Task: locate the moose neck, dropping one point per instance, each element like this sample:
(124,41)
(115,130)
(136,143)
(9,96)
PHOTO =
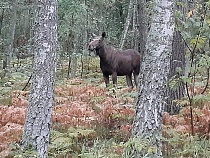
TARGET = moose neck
(102,52)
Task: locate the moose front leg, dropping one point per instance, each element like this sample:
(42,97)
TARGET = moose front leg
(106,79)
(129,81)
(114,78)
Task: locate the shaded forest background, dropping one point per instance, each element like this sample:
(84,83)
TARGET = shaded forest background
(86,114)
(77,19)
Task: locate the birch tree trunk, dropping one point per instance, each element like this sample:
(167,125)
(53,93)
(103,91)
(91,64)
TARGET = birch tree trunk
(127,23)
(134,42)
(153,80)
(39,116)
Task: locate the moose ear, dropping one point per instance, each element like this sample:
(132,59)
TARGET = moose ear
(93,35)
(104,34)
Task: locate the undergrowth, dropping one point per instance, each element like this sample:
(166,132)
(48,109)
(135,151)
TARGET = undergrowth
(91,121)
(185,145)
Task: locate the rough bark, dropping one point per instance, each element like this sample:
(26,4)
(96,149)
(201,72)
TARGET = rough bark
(142,26)
(39,115)
(177,62)
(153,80)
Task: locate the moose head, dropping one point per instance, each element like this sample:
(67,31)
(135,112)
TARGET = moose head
(96,43)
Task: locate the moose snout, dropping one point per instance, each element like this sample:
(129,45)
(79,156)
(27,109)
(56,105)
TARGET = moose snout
(91,48)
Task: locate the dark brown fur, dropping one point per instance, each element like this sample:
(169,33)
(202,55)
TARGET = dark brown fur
(116,62)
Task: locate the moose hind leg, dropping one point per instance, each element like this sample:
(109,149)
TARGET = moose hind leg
(106,79)
(129,81)
(136,79)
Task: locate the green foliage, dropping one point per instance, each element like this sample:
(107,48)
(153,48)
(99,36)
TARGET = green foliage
(17,152)
(5,98)
(174,82)
(102,148)
(194,28)
(62,144)
(186,140)
(183,145)
(141,145)
(79,18)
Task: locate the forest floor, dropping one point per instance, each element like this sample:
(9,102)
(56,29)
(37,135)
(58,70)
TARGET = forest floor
(90,120)
(79,104)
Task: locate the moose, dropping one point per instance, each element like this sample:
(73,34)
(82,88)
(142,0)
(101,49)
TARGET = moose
(116,62)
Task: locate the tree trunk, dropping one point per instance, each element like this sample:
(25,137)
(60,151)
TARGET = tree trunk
(1,20)
(142,26)
(68,49)
(153,80)
(177,62)
(134,36)
(39,116)
(73,65)
(4,63)
(83,55)
(11,35)
(74,57)
(127,23)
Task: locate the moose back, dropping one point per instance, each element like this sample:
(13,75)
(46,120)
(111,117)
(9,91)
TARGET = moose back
(115,62)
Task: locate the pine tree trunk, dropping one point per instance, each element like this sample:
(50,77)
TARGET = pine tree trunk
(39,115)
(142,26)
(177,62)
(153,80)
